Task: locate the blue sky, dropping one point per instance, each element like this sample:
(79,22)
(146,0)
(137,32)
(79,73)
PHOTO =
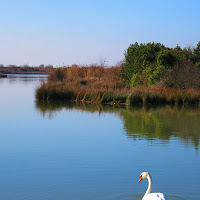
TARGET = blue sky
(83,32)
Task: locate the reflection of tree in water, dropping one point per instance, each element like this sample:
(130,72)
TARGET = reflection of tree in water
(49,108)
(152,123)
(163,123)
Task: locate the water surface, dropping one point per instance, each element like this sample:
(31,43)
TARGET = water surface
(90,152)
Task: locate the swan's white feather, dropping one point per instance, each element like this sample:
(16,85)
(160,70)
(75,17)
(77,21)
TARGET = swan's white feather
(154,196)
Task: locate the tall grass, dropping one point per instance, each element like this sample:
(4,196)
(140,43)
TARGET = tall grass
(137,95)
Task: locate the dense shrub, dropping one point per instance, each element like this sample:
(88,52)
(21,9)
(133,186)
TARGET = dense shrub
(165,58)
(157,75)
(58,74)
(138,57)
(184,75)
(196,53)
(135,79)
(147,64)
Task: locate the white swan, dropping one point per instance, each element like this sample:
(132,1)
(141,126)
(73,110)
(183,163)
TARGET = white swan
(148,195)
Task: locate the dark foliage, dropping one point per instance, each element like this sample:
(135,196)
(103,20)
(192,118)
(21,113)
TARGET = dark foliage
(184,75)
(147,64)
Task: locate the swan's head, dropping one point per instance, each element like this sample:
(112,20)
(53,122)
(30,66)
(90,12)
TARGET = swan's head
(143,176)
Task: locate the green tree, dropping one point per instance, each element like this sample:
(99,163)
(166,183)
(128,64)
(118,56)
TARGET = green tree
(196,53)
(157,75)
(165,58)
(138,58)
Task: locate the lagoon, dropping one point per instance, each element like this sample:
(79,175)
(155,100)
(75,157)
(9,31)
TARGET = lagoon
(60,150)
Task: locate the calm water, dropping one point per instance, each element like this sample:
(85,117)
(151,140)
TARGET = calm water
(58,151)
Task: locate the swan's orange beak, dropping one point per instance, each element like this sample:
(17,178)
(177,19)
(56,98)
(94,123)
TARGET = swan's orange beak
(140,179)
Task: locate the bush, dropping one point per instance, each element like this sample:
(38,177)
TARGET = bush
(147,64)
(135,79)
(196,53)
(138,57)
(197,65)
(184,75)
(157,75)
(165,58)
(58,74)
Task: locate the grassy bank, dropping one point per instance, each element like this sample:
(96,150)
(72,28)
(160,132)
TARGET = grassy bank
(138,95)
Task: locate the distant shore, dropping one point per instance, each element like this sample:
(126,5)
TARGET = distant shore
(43,73)
(13,69)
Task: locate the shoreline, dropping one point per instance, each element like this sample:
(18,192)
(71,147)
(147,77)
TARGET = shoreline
(153,95)
(29,73)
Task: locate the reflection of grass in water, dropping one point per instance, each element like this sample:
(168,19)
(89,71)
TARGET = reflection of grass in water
(163,122)
(45,107)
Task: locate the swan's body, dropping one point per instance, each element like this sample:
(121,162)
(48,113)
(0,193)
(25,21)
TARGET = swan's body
(148,195)
(154,196)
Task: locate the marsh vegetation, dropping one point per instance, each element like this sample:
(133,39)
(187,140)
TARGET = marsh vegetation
(151,73)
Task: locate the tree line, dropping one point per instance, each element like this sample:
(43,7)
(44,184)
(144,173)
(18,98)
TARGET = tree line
(152,63)
(26,69)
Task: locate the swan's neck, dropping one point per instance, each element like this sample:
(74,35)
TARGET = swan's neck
(149,186)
